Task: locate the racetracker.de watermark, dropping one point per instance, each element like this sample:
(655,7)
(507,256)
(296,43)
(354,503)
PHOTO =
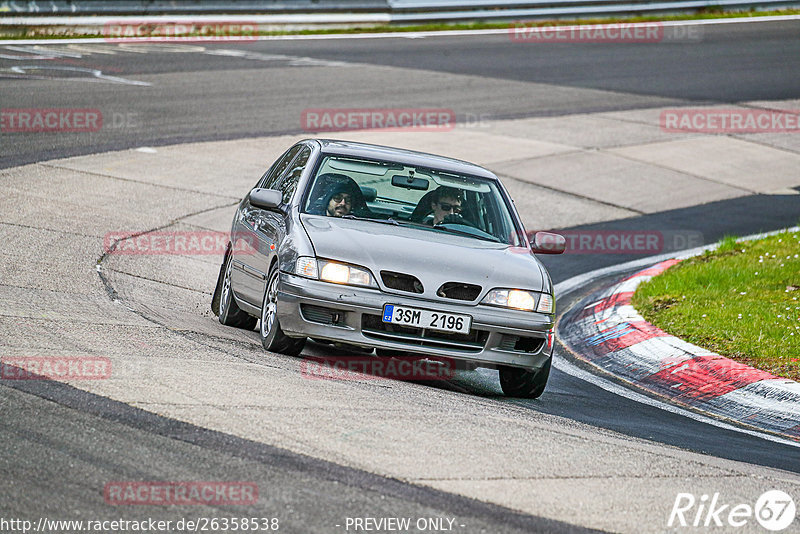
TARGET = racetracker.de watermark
(618,32)
(19,120)
(64,120)
(160,32)
(55,368)
(371,368)
(727,121)
(385,119)
(181,243)
(180,493)
(628,241)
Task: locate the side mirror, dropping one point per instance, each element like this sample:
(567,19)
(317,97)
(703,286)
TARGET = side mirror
(267,199)
(548,243)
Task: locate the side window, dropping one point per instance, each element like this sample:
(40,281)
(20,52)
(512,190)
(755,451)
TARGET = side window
(270,178)
(289,182)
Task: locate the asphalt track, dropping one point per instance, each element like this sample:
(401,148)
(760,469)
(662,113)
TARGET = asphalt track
(211,97)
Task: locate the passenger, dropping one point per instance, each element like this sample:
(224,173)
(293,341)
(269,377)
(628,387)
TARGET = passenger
(340,201)
(337,195)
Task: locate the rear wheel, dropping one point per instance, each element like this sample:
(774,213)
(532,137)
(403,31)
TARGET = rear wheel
(272,337)
(524,383)
(229,313)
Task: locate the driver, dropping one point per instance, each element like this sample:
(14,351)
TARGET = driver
(445,201)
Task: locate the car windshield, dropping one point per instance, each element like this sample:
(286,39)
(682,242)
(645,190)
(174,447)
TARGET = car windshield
(428,199)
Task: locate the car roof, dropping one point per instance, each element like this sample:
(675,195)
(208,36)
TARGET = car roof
(400,155)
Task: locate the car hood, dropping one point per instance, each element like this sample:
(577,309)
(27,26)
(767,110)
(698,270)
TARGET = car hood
(433,257)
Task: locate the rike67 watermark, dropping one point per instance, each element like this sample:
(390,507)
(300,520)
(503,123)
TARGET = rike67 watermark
(774,510)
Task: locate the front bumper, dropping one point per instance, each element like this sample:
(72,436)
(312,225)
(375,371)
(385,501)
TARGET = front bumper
(347,314)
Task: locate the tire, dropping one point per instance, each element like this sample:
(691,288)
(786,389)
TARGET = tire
(523,383)
(229,313)
(218,287)
(272,337)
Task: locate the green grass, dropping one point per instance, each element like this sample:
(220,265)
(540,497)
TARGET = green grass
(22,32)
(741,301)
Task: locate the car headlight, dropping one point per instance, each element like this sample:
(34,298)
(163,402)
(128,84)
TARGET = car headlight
(334,272)
(342,273)
(519,299)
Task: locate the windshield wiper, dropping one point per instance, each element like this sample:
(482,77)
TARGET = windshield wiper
(487,237)
(382,221)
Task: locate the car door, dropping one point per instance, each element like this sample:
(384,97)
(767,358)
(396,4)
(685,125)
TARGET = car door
(251,248)
(271,224)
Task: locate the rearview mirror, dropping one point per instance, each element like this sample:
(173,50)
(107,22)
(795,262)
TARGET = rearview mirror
(267,199)
(410,182)
(548,243)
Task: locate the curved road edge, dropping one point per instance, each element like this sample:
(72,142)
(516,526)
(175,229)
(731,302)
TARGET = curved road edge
(605,331)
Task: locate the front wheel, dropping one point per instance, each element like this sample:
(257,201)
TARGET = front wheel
(524,383)
(272,337)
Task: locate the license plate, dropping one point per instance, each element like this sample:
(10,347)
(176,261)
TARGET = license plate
(428,319)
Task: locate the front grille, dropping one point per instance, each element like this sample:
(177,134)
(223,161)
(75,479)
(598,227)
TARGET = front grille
(459,291)
(372,326)
(529,345)
(402,282)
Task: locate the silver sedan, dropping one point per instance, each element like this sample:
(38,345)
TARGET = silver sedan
(394,250)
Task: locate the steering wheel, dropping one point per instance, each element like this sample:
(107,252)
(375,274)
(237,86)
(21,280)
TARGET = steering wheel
(456,218)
